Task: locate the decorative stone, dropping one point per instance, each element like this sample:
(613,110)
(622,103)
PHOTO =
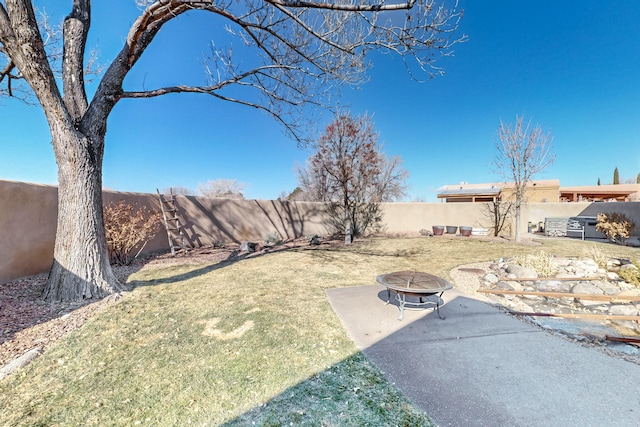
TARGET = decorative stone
(613,264)
(623,310)
(554,286)
(520,271)
(491,278)
(588,265)
(613,276)
(587,288)
(606,287)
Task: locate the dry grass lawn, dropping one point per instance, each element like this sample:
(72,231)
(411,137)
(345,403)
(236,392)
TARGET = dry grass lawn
(254,341)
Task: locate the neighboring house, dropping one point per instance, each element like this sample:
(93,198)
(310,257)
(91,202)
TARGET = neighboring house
(541,191)
(601,193)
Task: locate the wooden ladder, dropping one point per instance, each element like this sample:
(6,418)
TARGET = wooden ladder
(172,223)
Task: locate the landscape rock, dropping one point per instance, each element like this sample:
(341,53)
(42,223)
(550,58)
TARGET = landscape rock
(607,288)
(613,276)
(521,272)
(587,288)
(19,362)
(248,246)
(613,264)
(623,310)
(491,278)
(504,286)
(554,286)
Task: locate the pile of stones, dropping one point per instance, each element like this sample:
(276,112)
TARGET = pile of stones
(570,276)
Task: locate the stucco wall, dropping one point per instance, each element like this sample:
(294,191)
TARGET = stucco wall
(28,228)
(28,219)
(28,215)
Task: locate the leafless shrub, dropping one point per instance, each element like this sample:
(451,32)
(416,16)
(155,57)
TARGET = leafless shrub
(128,228)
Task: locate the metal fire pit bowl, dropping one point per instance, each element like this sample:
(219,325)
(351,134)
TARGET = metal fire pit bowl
(414,284)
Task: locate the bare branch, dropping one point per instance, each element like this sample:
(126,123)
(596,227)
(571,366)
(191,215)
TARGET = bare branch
(343,6)
(76,29)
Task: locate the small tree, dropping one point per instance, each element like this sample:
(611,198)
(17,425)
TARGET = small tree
(128,228)
(522,151)
(498,212)
(638,179)
(616,176)
(350,172)
(616,226)
(598,180)
(222,189)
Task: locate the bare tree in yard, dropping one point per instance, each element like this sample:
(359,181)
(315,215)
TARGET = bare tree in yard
(301,51)
(349,171)
(222,189)
(522,151)
(497,211)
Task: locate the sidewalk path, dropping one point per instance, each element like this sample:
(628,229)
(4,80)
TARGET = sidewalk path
(482,367)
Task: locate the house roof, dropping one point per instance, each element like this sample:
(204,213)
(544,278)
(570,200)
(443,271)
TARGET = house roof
(476,191)
(487,189)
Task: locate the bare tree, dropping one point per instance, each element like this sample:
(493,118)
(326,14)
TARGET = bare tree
(222,188)
(178,190)
(301,51)
(497,211)
(352,175)
(522,151)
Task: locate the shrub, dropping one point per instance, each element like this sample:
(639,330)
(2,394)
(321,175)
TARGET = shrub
(616,226)
(274,237)
(540,262)
(128,228)
(597,254)
(631,275)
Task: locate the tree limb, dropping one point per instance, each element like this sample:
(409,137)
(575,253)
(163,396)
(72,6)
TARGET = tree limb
(380,7)
(76,29)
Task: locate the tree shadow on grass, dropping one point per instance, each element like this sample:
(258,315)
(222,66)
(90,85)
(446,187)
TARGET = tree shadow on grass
(233,257)
(351,392)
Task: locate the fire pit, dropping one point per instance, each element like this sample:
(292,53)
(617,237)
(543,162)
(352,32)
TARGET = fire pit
(416,285)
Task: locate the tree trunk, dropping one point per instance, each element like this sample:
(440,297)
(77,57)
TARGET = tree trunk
(81,268)
(518,238)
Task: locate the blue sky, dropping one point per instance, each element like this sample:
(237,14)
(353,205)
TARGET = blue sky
(572,67)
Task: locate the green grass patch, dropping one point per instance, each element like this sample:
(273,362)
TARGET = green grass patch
(251,342)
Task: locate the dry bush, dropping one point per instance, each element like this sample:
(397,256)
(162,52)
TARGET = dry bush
(540,262)
(128,228)
(597,254)
(631,275)
(616,226)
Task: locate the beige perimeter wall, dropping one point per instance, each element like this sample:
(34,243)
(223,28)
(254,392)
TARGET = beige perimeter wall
(28,220)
